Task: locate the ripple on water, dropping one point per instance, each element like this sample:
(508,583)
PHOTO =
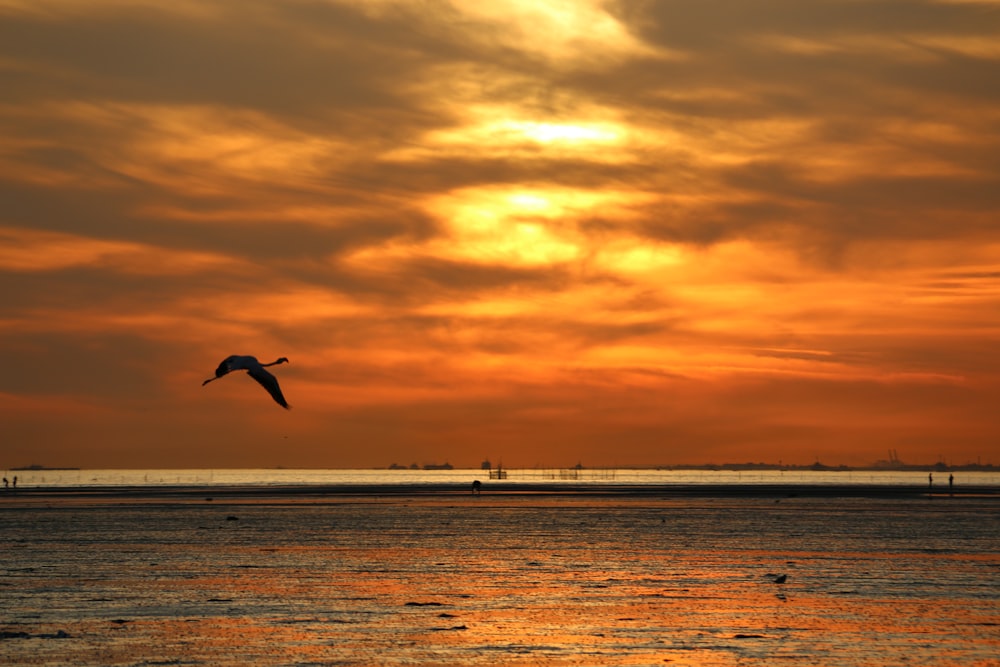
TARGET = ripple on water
(511,581)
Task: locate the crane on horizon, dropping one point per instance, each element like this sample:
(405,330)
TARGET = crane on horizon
(254,369)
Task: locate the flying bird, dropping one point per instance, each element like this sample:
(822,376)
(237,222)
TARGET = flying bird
(254,369)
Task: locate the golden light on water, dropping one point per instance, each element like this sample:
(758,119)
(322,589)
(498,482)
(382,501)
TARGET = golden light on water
(275,578)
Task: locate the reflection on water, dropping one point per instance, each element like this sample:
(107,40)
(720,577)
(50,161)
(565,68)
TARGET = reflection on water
(623,477)
(503,580)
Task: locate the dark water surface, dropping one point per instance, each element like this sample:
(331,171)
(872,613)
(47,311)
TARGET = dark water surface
(518,580)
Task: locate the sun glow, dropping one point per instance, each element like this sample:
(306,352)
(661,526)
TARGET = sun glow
(561,132)
(517,226)
(553,204)
(506,130)
(560,30)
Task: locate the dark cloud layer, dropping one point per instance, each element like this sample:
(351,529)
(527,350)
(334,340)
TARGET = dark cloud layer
(629,232)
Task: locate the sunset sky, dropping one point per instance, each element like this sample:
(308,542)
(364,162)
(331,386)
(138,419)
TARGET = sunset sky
(548,232)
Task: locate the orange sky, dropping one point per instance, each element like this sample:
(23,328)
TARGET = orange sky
(623,233)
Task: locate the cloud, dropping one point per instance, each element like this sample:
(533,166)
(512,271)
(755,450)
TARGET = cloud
(549,227)
(31,251)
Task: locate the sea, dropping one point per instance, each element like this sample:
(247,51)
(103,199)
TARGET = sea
(407,476)
(135,577)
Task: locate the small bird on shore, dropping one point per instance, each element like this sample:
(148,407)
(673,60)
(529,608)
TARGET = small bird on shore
(254,369)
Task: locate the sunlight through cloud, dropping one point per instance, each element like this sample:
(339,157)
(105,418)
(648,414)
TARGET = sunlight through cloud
(432,205)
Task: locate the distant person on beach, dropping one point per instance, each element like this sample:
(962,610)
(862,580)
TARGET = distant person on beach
(6,484)
(930,480)
(951,483)
(15,481)
(477,487)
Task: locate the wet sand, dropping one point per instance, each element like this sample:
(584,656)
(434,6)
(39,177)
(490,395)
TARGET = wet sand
(183,493)
(553,574)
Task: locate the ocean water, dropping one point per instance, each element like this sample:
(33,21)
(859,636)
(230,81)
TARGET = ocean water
(501,580)
(621,477)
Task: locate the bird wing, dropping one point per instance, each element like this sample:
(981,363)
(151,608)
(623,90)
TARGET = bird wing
(270,383)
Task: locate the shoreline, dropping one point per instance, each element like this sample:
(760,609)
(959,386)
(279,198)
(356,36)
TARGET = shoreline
(317,492)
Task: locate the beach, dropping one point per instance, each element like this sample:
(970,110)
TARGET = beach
(259,492)
(520,575)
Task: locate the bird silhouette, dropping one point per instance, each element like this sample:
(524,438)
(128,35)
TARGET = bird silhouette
(254,369)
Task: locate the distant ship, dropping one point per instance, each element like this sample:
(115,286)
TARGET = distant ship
(36,466)
(438,466)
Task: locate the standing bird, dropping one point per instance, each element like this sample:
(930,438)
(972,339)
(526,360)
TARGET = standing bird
(254,369)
